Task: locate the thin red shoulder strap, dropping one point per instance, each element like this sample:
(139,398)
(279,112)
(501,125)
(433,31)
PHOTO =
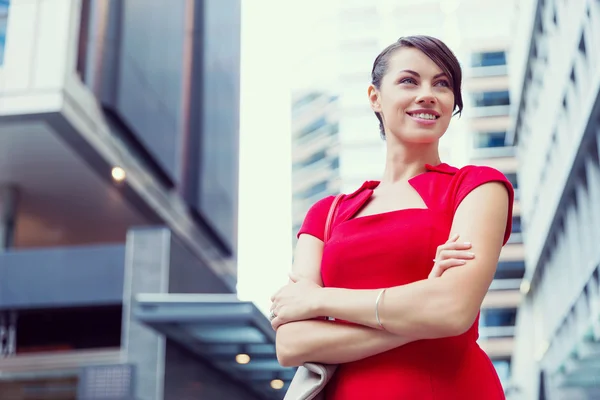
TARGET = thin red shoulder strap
(331,216)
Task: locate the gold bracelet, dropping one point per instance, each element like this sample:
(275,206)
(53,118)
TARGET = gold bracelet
(377,309)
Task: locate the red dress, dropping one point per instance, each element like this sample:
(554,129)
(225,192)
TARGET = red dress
(397,248)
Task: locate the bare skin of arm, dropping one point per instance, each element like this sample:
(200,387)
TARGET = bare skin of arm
(334,343)
(447,309)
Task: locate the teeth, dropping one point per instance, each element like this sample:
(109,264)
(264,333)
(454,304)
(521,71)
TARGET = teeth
(424,116)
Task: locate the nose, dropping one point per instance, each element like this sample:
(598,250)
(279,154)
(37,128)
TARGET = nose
(426,96)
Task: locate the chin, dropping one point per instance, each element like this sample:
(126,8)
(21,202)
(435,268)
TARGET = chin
(423,138)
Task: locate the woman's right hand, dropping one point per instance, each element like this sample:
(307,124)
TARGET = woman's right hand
(450,254)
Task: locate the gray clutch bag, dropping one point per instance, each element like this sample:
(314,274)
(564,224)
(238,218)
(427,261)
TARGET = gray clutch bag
(309,382)
(311,378)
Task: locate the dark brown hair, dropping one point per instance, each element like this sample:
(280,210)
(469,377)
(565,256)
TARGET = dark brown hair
(433,48)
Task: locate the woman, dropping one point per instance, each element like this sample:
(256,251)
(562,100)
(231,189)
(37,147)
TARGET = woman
(396,333)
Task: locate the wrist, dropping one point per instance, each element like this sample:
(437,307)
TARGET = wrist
(320,302)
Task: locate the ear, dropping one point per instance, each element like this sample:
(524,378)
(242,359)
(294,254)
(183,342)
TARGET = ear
(374,98)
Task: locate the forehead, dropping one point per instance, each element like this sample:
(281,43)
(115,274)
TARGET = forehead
(413,59)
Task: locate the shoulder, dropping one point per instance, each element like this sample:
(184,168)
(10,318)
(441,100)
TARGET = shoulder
(314,221)
(316,217)
(449,185)
(470,177)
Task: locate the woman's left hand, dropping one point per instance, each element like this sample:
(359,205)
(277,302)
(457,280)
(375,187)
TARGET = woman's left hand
(296,301)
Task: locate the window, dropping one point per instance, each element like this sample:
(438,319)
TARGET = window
(510,270)
(503,369)
(489,139)
(314,190)
(495,317)
(335,163)
(319,123)
(3,20)
(512,177)
(488,99)
(309,98)
(488,59)
(69,328)
(516,225)
(310,160)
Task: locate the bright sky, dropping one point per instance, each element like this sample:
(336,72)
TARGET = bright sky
(264,250)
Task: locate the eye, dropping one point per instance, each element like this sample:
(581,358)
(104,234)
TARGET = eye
(408,80)
(444,83)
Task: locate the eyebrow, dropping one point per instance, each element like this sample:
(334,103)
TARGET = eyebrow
(418,76)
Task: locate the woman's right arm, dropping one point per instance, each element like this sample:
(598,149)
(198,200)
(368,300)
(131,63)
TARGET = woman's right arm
(331,343)
(325,341)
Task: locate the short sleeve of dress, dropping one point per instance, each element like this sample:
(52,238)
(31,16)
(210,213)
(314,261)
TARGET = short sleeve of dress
(314,222)
(472,177)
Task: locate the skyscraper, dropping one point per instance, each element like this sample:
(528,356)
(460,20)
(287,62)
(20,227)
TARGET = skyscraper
(555,84)
(315,152)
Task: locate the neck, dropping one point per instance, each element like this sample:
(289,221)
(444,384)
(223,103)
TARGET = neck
(404,162)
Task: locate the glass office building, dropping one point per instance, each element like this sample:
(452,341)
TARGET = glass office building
(119,127)
(555,83)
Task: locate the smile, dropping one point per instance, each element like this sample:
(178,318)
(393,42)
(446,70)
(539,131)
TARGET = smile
(425,116)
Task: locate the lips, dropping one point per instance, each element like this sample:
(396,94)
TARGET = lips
(429,115)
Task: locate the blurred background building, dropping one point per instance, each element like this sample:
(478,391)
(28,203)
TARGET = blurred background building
(315,152)
(555,82)
(119,142)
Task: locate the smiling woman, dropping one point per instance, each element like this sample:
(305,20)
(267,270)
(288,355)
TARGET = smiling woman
(393,296)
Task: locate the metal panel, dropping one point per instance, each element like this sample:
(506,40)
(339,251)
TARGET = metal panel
(62,277)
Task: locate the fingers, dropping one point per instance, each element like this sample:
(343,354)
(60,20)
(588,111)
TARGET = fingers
(453,238)
(454,246)
(459,254)
(451,254)
(441,266)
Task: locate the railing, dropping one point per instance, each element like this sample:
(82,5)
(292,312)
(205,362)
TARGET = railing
(490,332)
(56,362)
(505,284)
(479,72)
(493,152)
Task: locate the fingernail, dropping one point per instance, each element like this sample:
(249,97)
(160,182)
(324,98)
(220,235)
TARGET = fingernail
(467,243)
(471,254)
(463,262)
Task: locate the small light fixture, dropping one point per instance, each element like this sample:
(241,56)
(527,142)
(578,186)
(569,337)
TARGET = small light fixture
(277,384)
(242,358)
(118,174)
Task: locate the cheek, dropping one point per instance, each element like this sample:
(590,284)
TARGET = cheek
(447,103)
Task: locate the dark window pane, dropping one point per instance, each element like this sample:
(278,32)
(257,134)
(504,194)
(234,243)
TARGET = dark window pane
(512,177)
(516,225)
(488,59)
(510,270)
(488,99)
(498,317)
(489,139)
(69,328)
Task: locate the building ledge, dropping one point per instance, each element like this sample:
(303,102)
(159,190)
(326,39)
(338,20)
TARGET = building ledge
(218,327)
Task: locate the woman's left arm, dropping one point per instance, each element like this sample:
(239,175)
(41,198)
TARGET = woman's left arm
(441,307)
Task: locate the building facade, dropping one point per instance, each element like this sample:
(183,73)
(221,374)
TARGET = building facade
(555,82)
(315,152)
(487,106)
(119,190)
